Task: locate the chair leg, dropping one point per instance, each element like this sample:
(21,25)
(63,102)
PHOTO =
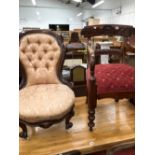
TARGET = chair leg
(23,134)
(109,58)
(67,121)
(116,100)
(91,117)
(86,99)
(132,100)
(86,95)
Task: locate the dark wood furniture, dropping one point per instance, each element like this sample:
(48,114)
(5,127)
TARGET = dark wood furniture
(78,79)
(130,44)
(107,80)
(130,51)
(75,48)
(74,54)
(76,75)
(74,38)
(113,51)
(127,148)
(41,61)
(112,48)
(71,153)
(122,149)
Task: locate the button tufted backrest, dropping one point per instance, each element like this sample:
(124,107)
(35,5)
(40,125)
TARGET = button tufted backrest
(39,54)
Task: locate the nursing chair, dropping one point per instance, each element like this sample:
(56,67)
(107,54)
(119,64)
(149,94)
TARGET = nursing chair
(44,97)
(107,80)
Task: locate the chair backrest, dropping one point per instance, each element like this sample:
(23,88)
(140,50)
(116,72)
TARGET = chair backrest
(108,29)
(41,55)
(78,75)
(130,46)
(124,31)
(74,38)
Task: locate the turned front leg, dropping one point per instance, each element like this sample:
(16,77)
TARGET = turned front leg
(91,118)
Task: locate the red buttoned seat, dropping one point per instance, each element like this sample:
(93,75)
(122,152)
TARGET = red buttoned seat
(113,78)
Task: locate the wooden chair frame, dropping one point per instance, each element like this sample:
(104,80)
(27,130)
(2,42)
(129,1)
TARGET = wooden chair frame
(92,96)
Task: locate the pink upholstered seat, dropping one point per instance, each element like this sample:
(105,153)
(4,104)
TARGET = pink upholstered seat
(45,102)
(111,78)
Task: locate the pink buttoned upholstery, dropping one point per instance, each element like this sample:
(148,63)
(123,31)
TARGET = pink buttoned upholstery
(111,78)
(39,54)
(44,97)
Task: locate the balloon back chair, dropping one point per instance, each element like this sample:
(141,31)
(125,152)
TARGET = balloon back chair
(74,38)
(75,48)
(44,97)
(107,80)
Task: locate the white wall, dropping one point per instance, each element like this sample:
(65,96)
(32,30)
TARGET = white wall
(108,16)
(127,15)
(29,18)
(51,12)
(103,15)
(55,12)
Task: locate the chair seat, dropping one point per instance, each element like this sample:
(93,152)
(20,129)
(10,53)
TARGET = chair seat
(114,78)
(45,102)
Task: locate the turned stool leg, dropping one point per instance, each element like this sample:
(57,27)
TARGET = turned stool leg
(91,118)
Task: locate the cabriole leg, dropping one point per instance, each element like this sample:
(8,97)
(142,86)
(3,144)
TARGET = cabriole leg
(23,133)
(67,121)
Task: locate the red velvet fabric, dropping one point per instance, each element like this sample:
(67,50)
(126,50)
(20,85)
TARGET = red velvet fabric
(129,151)
(111,78)
(98,153)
